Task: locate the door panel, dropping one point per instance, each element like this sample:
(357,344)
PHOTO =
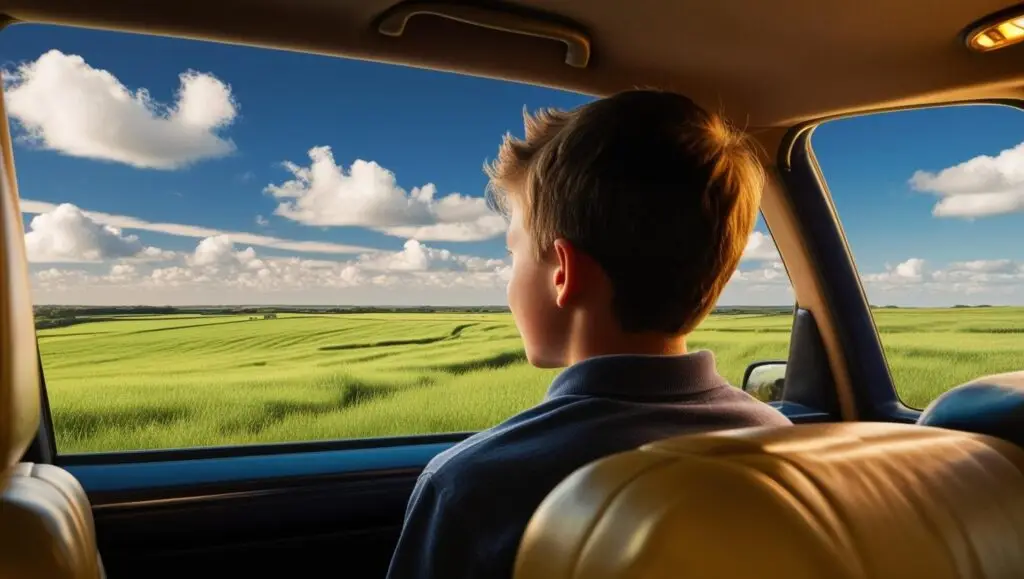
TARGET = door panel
(295,527)
(299,510)
(261,515)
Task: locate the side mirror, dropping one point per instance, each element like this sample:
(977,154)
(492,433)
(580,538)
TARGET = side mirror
(765,380)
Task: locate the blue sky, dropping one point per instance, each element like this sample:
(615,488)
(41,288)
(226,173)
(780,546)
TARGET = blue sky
(195,206)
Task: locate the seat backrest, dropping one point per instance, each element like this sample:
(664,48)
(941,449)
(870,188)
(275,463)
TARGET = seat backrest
(843,501)
(46,525)
(992,405)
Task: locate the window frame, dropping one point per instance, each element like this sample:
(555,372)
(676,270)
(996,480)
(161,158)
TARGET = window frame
(842,289)
(876,397)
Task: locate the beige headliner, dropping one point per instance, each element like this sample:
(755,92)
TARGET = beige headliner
(766,62)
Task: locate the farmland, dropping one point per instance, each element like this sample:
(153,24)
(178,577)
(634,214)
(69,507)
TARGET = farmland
(186,380)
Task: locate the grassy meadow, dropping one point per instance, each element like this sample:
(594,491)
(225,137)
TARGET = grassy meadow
(164,381)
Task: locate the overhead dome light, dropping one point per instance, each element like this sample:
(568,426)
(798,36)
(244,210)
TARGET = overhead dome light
(997,32)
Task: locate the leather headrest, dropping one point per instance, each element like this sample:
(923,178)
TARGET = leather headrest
(19,362)
(992,405)
(842,501)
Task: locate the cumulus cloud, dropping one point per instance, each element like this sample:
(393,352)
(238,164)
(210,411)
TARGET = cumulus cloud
(368,195)
(54,277)
(772,272)
(979,187)
(218,264)
(992,277)
(66,234)
(767,272)
(416,257)
(220,251)
(64,104)
(912,281)
(122,273)
(760,247)
(182,230)
(217,260)
(912,270)
(155,254)
(988,266)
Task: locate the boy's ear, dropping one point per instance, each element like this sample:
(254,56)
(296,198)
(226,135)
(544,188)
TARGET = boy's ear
(568,272)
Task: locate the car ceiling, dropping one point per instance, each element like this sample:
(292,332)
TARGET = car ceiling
(765,63)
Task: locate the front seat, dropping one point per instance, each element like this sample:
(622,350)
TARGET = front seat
(992,405)
(46,526)
(822,501)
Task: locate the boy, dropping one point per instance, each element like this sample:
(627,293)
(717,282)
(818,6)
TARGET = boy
(627,218)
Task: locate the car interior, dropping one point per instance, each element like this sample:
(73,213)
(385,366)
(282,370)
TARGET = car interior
(862,486)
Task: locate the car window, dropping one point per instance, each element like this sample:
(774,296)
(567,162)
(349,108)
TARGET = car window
(232,245)
(932,205)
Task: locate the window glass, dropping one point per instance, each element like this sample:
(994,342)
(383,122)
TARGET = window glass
(932,204)
(232,245)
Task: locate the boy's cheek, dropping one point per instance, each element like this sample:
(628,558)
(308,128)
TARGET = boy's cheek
(514,294)
(536,317)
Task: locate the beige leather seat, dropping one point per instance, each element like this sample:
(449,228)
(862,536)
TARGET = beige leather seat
(842,501)
(46,526)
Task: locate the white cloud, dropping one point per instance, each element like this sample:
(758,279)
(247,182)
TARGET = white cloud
(62,278)
(220,251)
(760,247)
(65,105)
(262,221)
(181,230)
(222,270)
(912,270)
(988,266)
(416,257)
(65,234)
(217,265)
(771,272)
(980,187)
(368,195)
(122,272)
(997,280)
(155,254)
(913,281)
(767,282)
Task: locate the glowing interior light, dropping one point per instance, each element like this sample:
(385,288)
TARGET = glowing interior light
(996,35)
(984,41)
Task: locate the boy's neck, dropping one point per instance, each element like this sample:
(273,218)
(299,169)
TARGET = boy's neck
(636,344)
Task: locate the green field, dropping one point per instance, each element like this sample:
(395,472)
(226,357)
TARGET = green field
(193,380)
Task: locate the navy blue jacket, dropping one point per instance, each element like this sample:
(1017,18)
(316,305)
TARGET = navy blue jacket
(472,503)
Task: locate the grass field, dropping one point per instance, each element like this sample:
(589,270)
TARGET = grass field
(189,380)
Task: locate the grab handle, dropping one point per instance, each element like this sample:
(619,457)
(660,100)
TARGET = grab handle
(577,43)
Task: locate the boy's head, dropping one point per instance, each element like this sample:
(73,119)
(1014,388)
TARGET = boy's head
(628,216)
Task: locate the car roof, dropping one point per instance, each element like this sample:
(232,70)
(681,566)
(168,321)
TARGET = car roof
(765,63)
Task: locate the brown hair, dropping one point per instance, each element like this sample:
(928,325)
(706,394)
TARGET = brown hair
(661,193)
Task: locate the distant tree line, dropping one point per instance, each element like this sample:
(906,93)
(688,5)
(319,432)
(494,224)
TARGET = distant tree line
(73,311)
(62,316)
